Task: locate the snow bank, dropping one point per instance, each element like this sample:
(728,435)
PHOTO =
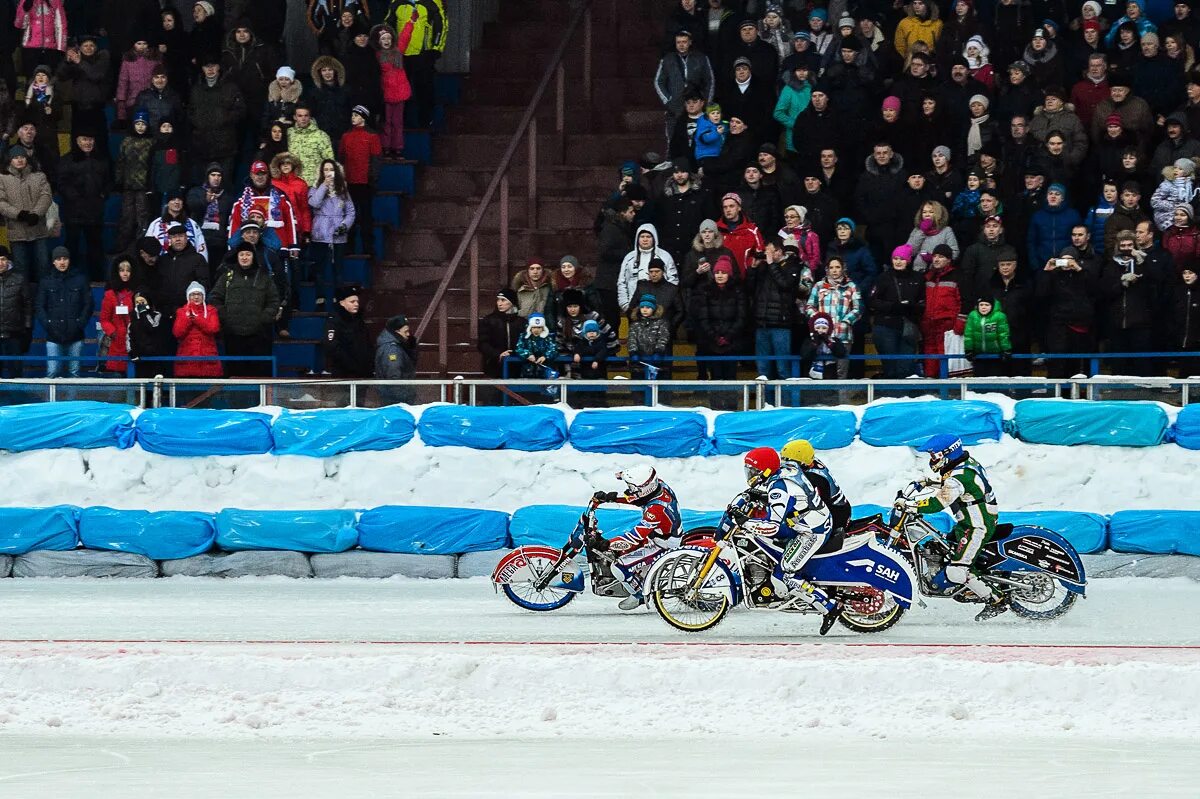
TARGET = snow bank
(1026,477)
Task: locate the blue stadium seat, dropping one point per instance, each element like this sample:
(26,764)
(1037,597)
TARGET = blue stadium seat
(400,178)
(357,269)
(447,89)
(418,146)
(386,208)
(307,327)
(293,356)
(308,296)
(112,209)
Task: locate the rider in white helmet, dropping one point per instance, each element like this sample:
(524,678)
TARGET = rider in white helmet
(660,528)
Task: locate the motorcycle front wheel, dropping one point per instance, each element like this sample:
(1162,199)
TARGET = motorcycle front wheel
(869,610)
(685,608)
(527,595)
(1043,597)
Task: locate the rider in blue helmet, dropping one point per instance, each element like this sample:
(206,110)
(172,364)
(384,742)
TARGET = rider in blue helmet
(962,487)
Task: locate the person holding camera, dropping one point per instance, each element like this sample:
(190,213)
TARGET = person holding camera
(1132,286)
(1067,291)
(333,216)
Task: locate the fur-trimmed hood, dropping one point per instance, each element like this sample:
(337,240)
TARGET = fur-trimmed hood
(297,164)
(328,61)
(276,93)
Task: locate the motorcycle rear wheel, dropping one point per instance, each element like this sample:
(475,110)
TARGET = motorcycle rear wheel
(686,610)
(1046,598)
(879,616)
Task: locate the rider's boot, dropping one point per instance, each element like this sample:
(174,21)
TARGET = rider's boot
(831,617)
(632,602)
(995,606)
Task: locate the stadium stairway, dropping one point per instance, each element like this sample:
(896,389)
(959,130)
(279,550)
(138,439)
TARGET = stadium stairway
(623,120)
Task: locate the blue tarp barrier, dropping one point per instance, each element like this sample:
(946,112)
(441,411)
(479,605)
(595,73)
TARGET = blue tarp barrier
(940,521)
(657,434)
(160,535)
(1087,532)
(736,433)
(1110,424)
(432,531)
(66,425)
(1157,532)
(296,530)
(1187,427)
(531,429)
(910,424)
(190,433)
(321,434)
(26,529)
(552,524)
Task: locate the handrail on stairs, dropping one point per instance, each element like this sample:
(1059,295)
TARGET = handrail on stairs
(499,182)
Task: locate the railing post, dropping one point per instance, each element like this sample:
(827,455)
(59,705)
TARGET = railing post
(443,332)
(354,395)
(458,390)
(531,189)
(587,57)
(474,287)
(560,99)
(504,225)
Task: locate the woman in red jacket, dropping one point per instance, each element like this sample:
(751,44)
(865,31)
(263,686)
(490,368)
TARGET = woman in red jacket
(389,49)
(115,311)
(943,307)
(196,327)
(1182,240)
(285,176)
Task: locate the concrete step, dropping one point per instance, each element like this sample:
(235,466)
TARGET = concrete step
(462,181)
(412,274)
(606,63)
(536,34)
(587,149)
(610,93)
(552,212)
(439,243)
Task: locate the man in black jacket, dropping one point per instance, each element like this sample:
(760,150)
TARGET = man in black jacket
(1131,286)
(348,349)
(176,269)
(748,97)
(16,314)
(84,180)
(64,307)
(1067,296)
(498,334)
(614,241)
(875,200)
(684,206)
(1013,292)
(773,280)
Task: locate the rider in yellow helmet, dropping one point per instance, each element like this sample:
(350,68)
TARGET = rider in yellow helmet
(800,456)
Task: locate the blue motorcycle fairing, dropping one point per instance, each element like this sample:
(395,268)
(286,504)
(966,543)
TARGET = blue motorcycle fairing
(864,561)
(1029,548)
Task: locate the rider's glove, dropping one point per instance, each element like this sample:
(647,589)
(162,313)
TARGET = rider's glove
(596,542)
(605,496)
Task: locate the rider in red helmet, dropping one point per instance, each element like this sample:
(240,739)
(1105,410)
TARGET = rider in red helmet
(797,519)
(659,528)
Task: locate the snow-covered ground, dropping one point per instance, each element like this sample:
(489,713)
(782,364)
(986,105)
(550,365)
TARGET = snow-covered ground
(273,687)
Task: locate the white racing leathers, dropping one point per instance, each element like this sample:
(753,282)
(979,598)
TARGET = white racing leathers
(796,512)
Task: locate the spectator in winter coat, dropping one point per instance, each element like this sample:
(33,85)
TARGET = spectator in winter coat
(979,261)
(1125,217)
(499,332)
(86,69)
(24,199)
(684,206)
(116,311)
(743,96)
(931,227)
(205,33)
(649,339)
(920,25)
(249,303)
(160,100)
(897,303)
(361,153)
(838,298)
(137,69)
(348,350)
(666,295)
(396,352)
(43,26)
(196,327)
(759,201)
(613,242)
(1013,291)
(1050,227)
(794,98)
(573,312)
(1132,291)
(710,136)
(1092,89)
(250,64)
(881,182)
(797,230)
(1185,319)
(1134,112)
(535,291)
(177,268)
(333,214)
(536,348)
(1178,144)
(16,314)
(773,281)
(1135,12)
(678,70)
(309,144)
(283,95)
(274,206)
(396,89)
(1182,239)
(133,181)
(330,99)
(720,314)
(945,310)
(209,206)
(571,276)
(1068,296)
(287,175)
(740,234)
(174,212)
(1178,188)
(636,265)
(64,308)
(1055,114)
(150,335)
(986,333)
(216,110)
(822,355)
(1098,215)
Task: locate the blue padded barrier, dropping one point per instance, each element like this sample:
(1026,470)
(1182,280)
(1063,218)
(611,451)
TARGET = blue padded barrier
(26,529)
(942,522)
(657,434)
(1187,427)
(160,535)
(1110,424)
(66,425)
(1157,532)
(1087,532)
(552,524)
(735,433)
(432,531)
(177,431)
(321,434)
(296,530)
(910,424)
(530,429)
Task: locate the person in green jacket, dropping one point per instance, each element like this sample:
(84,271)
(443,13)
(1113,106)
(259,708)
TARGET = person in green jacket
(986,333)
(796,94)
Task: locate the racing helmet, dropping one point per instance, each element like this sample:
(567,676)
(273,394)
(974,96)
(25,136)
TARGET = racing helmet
(944,450)
(761,464)
(800,450)
(641,481)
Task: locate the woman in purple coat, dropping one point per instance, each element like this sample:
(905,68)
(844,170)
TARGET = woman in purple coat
(333,216)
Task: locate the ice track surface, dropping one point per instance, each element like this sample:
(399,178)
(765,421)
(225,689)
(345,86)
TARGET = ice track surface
(273,687)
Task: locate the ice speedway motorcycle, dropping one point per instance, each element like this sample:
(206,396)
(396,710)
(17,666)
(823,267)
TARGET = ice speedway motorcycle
(692,588)
(536,577)
(1037,569)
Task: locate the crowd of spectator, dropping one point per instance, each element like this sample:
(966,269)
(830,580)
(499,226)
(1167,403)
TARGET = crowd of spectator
(252,135)
(977,180)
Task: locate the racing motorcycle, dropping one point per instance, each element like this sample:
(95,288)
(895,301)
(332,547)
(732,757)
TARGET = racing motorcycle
(542,578)
(1037,569)
(692,588)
